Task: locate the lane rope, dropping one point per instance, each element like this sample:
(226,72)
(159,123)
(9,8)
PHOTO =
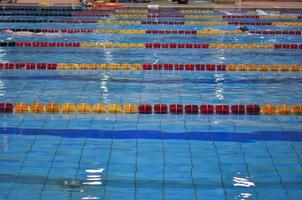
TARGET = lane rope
(100,108)
(154,15)
(124,22)
(145,10)
(149,66)
(152,45)
(160,31)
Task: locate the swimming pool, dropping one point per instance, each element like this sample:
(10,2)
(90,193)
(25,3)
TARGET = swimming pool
(82,153)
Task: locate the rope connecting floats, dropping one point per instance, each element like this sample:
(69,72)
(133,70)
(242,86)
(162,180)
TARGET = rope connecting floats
(146,66)
(145,10)
(153,15)
(100,108)
(142,16)
(120,22)
(159,31)
(152,45)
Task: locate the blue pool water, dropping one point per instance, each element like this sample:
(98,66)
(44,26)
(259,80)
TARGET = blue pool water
(137,156)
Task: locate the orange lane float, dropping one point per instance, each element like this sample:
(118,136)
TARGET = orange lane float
(37,108)
(107,5)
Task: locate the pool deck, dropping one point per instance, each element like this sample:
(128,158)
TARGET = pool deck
(238,4)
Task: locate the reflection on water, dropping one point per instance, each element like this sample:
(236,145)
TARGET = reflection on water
(104,88)
(219,88)
(94,178)
(2,88)
(4,143)
(243,182)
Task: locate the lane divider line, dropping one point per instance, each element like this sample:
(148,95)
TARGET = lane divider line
(152,15)
(153,45)
(146,10)
(159,31)
(149,66)
(100,108)
(122,22)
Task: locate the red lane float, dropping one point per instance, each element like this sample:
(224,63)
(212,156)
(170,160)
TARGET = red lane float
(165,16)
(191,109)
(90,15)
(160,109)
(196,45)
(290,11)
(238,109)
(163,22)
(187,32)
(76,21)
(276,32)
(162,10)
(145,108)
(222,109)
(288,46)
(251,23)
(47,44)
(29,66)
(240,16)
(6,107)
(207,109)
(176,109)
(208,67)
(253,109)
